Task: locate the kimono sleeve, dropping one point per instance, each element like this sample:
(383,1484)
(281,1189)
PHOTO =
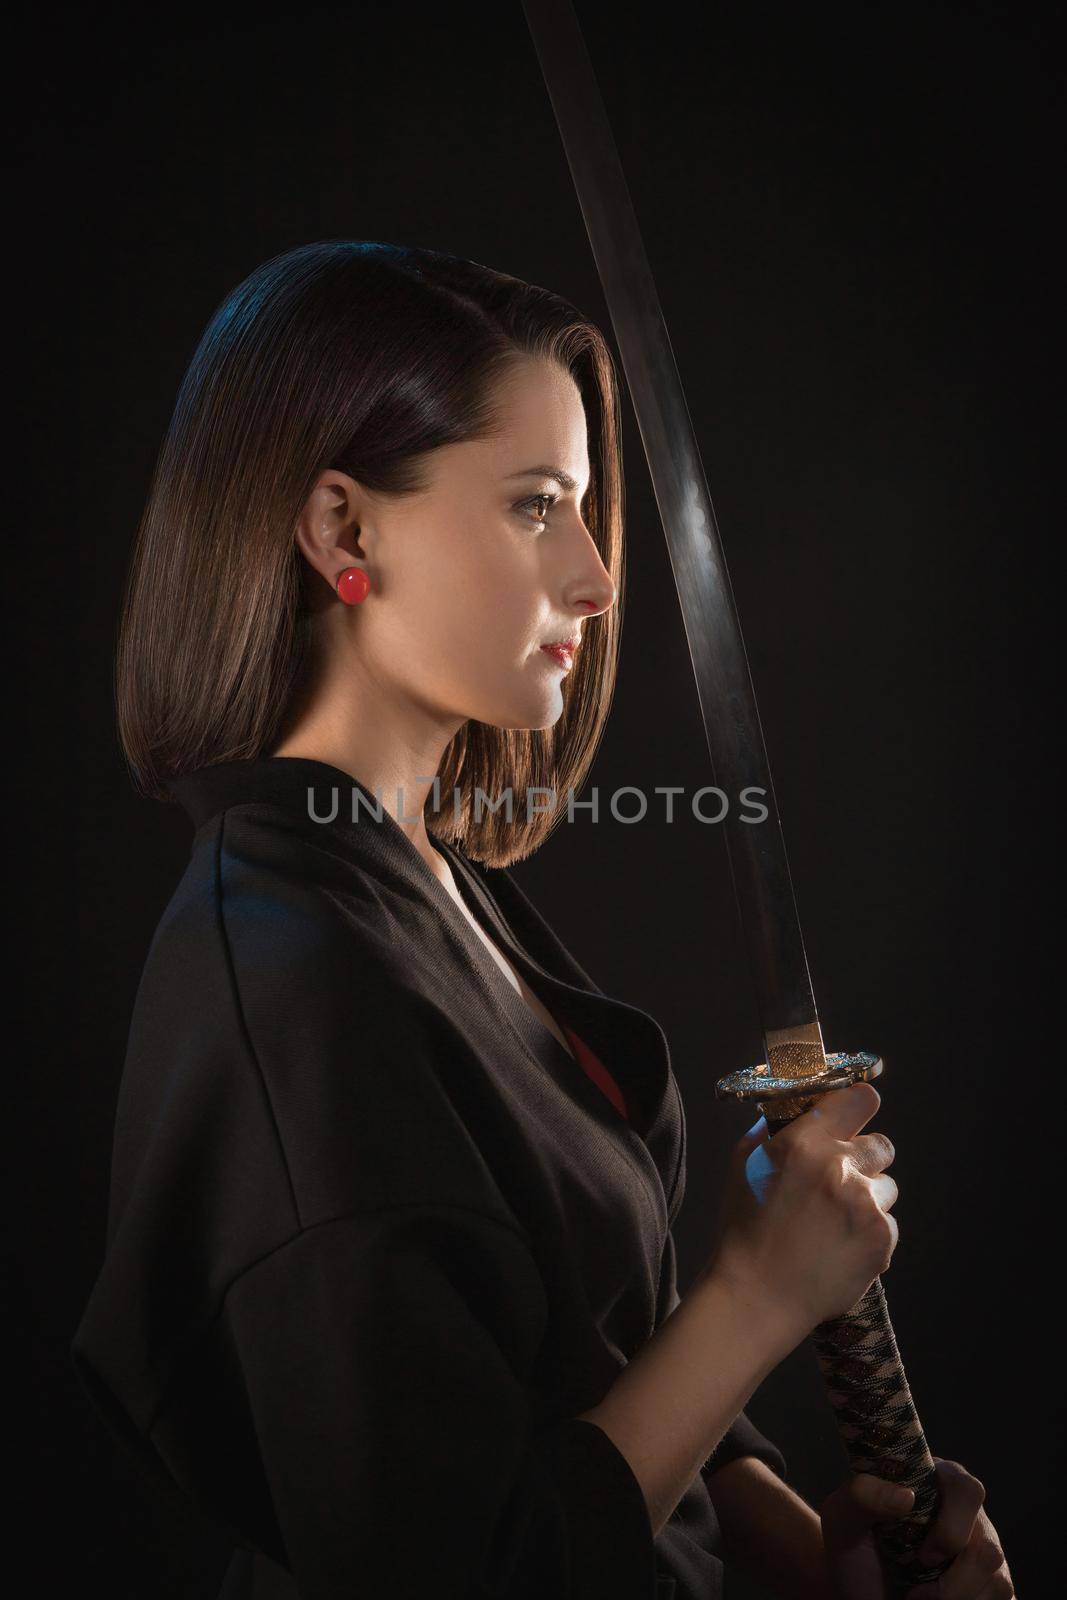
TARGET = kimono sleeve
(384,1358)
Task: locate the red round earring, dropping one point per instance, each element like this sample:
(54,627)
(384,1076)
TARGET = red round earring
(353,586)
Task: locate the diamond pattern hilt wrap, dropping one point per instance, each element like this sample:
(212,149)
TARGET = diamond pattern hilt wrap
(856,1351)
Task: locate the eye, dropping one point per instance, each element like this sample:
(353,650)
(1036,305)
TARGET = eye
(547,500)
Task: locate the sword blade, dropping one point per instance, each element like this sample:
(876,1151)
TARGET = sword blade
(756,849)
(857,1352)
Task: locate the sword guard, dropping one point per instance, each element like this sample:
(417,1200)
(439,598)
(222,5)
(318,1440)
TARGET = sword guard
(759,1083)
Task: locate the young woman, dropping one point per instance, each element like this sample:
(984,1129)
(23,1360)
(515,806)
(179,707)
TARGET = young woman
(389,1287)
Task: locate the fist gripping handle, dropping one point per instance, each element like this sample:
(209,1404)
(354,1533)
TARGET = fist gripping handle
(857,1351)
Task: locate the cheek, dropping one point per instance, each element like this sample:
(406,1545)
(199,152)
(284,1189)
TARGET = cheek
(484,587)
(470,600)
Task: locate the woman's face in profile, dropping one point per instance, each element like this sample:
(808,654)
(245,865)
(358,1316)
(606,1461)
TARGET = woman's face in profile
(472,576)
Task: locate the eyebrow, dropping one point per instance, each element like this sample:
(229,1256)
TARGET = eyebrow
(564,479)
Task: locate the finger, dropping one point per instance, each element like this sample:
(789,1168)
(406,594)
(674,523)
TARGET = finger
(884,1190)
(758,1131)
(849,1513)
(748,1142)
(962,1496)
(872,1153)
(843,1112)
(999,1587)
(978,1568)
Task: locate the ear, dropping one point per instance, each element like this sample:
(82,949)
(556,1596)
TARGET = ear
(328,528)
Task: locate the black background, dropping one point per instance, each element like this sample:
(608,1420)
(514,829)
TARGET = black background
(847,210)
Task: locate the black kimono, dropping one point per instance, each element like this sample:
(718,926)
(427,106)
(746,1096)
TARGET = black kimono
(375,1239)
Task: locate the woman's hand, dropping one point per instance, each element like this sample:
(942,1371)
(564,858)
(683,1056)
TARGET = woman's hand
(808,1224)
(961,1529)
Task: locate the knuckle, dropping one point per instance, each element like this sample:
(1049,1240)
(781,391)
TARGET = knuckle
(874,1151)
(834,1173)
(865,1098)
(992,1557)
(888,1243)
(889,1149)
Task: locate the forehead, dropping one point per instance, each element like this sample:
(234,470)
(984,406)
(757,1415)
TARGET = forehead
(540,420)
(540,403)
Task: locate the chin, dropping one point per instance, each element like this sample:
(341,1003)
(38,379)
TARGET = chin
(544,712)
(548,710)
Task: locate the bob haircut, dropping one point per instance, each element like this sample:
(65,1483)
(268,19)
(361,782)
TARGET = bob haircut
(360,356)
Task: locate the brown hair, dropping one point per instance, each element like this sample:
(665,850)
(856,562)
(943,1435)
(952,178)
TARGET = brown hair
(359,356)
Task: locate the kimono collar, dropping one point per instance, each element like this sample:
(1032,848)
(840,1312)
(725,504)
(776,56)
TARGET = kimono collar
(273,780)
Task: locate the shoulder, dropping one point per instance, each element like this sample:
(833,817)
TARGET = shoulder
(317,968)
(270,895)
(301,933)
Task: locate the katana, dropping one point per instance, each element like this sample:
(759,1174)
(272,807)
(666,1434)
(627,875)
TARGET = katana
(857,1352)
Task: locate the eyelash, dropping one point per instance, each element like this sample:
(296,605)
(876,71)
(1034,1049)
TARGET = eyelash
(551,500)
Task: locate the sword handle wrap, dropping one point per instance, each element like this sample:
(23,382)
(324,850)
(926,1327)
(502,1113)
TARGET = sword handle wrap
(879,1426)
(865,1381)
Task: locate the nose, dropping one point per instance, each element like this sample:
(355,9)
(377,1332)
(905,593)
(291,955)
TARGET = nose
(590,589)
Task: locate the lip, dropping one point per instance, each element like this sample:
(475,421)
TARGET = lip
(562,654)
